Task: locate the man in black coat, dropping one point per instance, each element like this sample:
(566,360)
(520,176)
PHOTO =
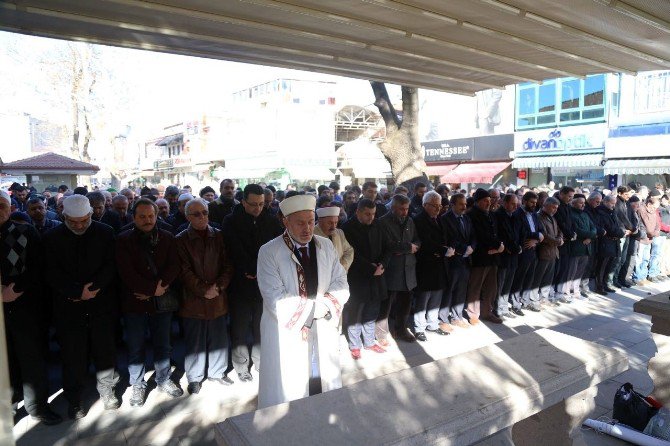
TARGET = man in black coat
(523,293)
(564,221)
(370,192)
(85,301)
(637,233)
(459,238)
(24,306)
(622,212)
(404,242)
(101,213)
(483,283)
(608,244)
(367,284)
(509,232)
(246,229)
(223,206)
(591,209)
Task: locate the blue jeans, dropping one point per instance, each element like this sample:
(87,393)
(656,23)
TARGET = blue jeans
(642,262)
(655,256)
(136,327)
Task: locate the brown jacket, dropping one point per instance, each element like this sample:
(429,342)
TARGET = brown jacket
(650,221)
(204,262)
(136,273)
(548,249)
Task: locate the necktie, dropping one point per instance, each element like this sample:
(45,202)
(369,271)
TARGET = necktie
(460,221)
(304,254)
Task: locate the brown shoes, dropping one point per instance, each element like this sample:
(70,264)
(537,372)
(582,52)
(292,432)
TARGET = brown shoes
(493,318)
(446,327)
(460,323)
(474,321)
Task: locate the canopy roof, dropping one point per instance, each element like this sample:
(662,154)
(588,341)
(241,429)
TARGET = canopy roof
(461,46)
(49,162)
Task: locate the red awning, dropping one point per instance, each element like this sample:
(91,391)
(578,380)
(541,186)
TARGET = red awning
(474,173)
(439,169)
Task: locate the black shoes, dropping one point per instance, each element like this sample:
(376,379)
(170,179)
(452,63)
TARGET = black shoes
(47,417)
(76,412)
(601,292)
(137,397)
(170,388)
(438,331)
(245,377)
(420,336)
(609,289)
(518,311)
(194,388)
(224,381)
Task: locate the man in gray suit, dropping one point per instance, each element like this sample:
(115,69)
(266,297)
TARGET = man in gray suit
(404,242)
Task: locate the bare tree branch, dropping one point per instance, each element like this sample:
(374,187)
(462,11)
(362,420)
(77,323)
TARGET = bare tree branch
(386,109)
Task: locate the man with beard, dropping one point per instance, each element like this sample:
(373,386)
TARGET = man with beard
(163,209)
(580,247)
(23,307)
(591,208)
(416,205)
(222,206)
(304,290)
(495,199)
(610,232)
(329,218)
(532,234)
(366,282)
(547,252)
(483,283)
(146,260)
(400,276)
(246,229)
(621,209)
(563,217)
(85,304)
(38,214)
(509,232)
(100,212)
(120,205)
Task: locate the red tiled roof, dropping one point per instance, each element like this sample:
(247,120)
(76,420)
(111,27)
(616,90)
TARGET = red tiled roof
(49,161)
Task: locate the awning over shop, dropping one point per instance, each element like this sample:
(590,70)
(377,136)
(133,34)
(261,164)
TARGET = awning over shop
(172,139)
(440,170)
(537,162)
(653,166)
(310,173)
(474,172)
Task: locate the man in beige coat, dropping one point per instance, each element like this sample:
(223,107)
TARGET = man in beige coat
(327,227)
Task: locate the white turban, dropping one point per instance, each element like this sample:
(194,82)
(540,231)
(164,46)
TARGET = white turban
(185,197)
(5,196)
(297,203)
(330,211)
(76,206)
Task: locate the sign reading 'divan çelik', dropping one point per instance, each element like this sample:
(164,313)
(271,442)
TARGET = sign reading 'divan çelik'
(561,140)
(447,150)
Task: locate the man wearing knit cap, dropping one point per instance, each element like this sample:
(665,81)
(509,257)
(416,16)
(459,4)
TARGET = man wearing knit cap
(304,289)
(327,227)
(483,283)
(85,302)
(23,309)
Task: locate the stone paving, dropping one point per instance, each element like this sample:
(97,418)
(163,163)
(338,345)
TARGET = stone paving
(189,420)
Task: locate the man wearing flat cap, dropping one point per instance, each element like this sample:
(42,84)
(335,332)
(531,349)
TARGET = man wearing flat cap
(85,302)
(304,289)
(327,227)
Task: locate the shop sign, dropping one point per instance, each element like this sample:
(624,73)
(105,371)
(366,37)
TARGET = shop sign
(163,164)
(448,150)
(563,140)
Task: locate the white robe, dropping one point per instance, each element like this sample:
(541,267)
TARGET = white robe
(285,359)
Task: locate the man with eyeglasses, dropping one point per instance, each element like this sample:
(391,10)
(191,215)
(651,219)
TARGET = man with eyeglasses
(145,257)
(85,302)
(246,229)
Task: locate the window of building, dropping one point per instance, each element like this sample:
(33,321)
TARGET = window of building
(560,102)
(652,92)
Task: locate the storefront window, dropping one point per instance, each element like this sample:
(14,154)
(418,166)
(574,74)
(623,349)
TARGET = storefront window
(565,101)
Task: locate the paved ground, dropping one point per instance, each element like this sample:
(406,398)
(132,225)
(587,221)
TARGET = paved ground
(188,420)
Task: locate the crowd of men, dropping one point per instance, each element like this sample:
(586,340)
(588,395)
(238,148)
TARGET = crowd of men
(101,265)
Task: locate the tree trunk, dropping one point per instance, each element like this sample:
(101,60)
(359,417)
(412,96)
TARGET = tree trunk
(401,147)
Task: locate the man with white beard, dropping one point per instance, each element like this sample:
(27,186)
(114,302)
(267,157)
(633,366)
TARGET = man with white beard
(304,289)
(85,301)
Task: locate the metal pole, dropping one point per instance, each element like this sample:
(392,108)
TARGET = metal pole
(6,418)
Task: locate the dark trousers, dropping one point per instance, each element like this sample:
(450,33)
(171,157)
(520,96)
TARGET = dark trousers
(620,267)
(629,263)
(26,354)
(455,295)
(361,322)
(245,317)
(206,348)
(544,276)
(562,268)
(523,281)
(397,306)
(80,336)
(159,325)
(482,291)
(604,268)
(505,279)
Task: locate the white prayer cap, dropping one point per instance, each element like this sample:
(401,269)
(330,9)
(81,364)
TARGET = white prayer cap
(330,211)
(185,197)
(297,203)
(5,196)
(76,206)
